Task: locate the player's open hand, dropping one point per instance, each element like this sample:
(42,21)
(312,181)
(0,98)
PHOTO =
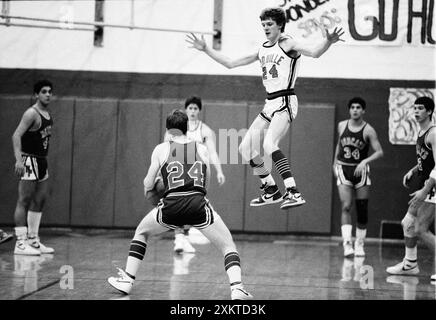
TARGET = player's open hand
(196,43)
(417,198)
(335,36)
(19,168)
(360,169)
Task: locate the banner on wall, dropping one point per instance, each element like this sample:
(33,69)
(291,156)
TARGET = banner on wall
(366,22)
(403,128)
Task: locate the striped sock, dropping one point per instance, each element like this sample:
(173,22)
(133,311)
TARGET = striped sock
(283,168)
(136,255)
(232,264)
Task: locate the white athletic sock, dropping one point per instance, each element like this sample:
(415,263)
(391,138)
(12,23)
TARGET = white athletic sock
(234,274)
(360,234)
(412,253)
(21,233)
(289,182)
(132,265)
(269,180)
(346,232)
(33,221)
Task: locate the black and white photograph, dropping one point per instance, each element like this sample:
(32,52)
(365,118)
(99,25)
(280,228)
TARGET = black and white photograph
(217,158)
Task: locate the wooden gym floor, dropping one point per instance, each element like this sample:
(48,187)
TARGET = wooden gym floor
(274,268)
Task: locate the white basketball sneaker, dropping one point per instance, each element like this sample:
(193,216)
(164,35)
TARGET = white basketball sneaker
(292,198)
(405,267)
(122,283)
(36,243)
(433,279)
(358,248)
(179,243)
(239,293)
(22,247)
(348,249)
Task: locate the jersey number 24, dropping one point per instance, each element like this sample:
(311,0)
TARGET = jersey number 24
(175,172)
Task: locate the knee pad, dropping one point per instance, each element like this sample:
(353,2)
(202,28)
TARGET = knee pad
(362,211)
(409,226)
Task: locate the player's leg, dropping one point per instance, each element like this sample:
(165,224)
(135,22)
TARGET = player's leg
(220,236)
(250,150)
(279,127)
(362,196)
(409,265)
(346,194)
(146,228)
(426,216)
(26,190)
(34,216)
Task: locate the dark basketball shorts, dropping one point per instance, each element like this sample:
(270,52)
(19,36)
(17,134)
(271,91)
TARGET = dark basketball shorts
(183,209)
(345,176)
(35,168)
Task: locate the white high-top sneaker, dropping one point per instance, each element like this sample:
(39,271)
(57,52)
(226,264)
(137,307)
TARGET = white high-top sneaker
(348,249)
(36,243)
(404,268)
(179,243)
(22,247)
(122,283)
(240,293)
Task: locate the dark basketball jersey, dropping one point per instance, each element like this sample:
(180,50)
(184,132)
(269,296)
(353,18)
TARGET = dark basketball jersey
(353,147)
(424,157)
(184,171)
(36,143)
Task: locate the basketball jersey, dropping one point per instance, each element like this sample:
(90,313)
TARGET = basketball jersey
(353,147)
(195,134)
(424,157)
(184,170)
(36,143)
(279,71)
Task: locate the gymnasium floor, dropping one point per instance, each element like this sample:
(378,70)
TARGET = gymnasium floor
(274,268)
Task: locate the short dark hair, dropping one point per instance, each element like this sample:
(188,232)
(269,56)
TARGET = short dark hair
(276,14)
(177,120)
(357,100)
(427,102)
(195,100)
(41,84)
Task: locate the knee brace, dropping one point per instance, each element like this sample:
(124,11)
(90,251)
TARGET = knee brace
(362,211)
(409,226)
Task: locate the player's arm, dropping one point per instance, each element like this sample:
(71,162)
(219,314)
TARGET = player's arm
(335,158)
(310,50)
(26,122)
(149,179)
(420,195)
(371,136)
(204,155)
(200,44)
(209,141)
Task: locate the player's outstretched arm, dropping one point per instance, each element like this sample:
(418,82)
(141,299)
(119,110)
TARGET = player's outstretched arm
(200,44)
(314,51)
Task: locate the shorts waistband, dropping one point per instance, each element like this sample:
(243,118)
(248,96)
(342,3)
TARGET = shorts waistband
(281,93)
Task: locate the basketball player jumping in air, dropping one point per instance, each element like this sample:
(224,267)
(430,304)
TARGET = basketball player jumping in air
(279,58)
